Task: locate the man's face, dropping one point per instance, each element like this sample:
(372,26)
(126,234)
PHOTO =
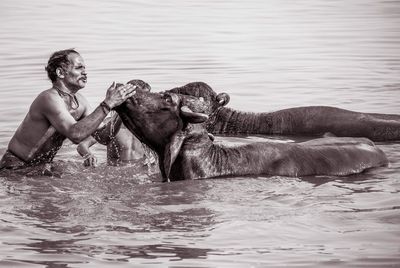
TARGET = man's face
(75,76)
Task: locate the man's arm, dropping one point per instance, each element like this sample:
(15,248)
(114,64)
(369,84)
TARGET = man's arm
(102,135)
(108,130)
(89,159)
(55,111)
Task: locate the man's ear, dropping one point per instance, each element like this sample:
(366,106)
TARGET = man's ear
(60,72)
(192,117)
(172,150)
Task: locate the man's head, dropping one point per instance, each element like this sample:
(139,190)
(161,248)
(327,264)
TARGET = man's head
(69,67)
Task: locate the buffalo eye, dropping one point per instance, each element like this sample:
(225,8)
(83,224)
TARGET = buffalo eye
(167,98)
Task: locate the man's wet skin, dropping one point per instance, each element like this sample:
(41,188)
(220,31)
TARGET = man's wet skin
(60,112)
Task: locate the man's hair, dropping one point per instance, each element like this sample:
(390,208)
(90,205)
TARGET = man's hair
(58,59)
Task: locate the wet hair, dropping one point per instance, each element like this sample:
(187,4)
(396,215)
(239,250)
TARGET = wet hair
(58,59)
(140,84)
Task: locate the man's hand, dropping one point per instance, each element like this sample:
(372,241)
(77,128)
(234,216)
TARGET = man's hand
(90,160)
(117,94)
(223,99)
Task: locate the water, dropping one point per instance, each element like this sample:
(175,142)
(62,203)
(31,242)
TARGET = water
(267,55)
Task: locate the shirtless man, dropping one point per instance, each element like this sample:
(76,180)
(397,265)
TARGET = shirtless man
(59,113)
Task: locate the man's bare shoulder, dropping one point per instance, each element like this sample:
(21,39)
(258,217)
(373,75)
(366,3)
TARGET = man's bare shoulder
(46,100)
(46,95)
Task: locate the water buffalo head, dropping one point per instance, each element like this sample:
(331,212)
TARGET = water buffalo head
(154,117)
(159,120)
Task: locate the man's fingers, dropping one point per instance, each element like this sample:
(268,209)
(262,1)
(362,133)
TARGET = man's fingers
(130,91)
(127,88)
(120,93)
(91,162)
(130,88)
(128,95)
(112,85)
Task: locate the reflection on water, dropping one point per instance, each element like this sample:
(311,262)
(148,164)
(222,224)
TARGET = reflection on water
(267,55)
(315,221)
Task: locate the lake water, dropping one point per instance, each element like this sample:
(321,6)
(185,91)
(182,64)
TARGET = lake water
(268,55)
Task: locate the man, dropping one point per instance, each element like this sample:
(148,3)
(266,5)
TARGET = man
(59,113)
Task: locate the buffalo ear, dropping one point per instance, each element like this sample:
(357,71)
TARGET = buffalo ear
(223,99)
(172,150)
(192,117)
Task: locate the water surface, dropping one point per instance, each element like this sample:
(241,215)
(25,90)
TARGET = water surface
(267,55)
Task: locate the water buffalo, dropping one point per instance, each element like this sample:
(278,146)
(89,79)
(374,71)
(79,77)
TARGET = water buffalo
(306,121)
(167,123)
